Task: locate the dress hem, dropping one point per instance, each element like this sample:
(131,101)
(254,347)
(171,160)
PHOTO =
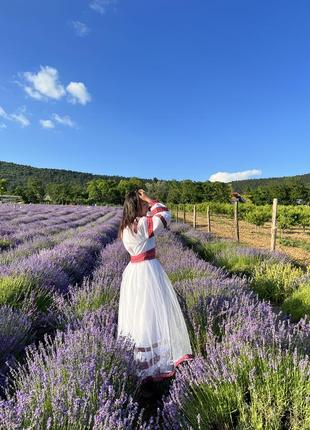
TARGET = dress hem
(163,376)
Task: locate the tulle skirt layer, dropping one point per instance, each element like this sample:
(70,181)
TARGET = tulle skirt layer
(149,313)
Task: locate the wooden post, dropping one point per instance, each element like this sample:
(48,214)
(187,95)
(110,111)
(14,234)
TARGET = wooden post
(194,216)
(184,214)
(274,225)
(177,215)
(236,222)
(208,219)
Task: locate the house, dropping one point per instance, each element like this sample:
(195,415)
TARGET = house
(5,198)
(236,197)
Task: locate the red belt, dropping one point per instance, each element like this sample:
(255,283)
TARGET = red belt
(147,255)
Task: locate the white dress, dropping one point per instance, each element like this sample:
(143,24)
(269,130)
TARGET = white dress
(149,312)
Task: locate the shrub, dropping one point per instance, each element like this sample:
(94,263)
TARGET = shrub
(275,281)
(298,304)
(16,290)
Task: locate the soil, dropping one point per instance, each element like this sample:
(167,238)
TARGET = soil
(251,235)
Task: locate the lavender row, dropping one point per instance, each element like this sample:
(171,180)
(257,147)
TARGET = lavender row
(84,378)
(252,365)
(15,233)
(56,268)
(29,294)
(50,237)
(273,276)
(11,211)
(237,339)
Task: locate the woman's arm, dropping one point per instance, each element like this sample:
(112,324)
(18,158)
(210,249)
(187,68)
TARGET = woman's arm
(160,216)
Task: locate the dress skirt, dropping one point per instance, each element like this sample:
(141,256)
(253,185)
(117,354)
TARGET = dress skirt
(149,313)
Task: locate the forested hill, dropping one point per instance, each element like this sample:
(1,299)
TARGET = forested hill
(243,186)
(36,185)
(18,174)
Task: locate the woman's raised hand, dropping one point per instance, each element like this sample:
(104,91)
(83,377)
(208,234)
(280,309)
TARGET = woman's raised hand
(143,196)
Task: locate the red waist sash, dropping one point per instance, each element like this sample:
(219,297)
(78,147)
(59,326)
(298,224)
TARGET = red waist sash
(147,255)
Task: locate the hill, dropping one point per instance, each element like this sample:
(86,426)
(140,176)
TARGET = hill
(18,174)
(243,186)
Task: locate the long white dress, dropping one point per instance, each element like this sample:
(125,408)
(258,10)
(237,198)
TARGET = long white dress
(149,312)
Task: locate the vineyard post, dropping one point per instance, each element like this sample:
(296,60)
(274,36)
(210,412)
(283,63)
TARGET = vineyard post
(194,216)
(208,219)
(274,225)
(236,222)
(177,215)
(184,214)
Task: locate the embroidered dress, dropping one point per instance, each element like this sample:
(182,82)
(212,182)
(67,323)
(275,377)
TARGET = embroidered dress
(149,311)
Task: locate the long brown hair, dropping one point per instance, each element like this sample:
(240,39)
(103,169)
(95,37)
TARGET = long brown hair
(131,210)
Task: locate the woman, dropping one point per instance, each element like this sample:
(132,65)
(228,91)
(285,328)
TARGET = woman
(149,311)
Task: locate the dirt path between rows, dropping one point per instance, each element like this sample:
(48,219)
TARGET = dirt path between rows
(250,235)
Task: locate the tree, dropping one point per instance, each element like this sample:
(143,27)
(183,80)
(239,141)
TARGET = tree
(174,192)
(297,190)
(34,191)
(220,192)
(126,185)
(3,186)
(103,191)
(261,196)
(189,192)
(59,193)
(158,190)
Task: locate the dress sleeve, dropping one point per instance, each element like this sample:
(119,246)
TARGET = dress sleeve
(158,219)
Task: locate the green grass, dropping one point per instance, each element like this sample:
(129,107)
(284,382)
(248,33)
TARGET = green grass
(298,304)
(296,243)
(18,291)
(276,281)
(260,396)
(181,275)
(4,244)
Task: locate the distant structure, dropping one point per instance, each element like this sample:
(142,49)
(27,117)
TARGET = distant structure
(47,199)
(5,198)
(236,197)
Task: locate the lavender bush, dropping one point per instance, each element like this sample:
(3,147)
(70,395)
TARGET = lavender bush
(250,371)
(77,381)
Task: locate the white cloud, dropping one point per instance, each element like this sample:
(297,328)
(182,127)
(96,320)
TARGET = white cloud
(32,93)
(3,113)
(20,118)
(2,125)
(44,84)
(47,123)
(80,28)
(235,176)
(78,92)
(102,6)
(64,120)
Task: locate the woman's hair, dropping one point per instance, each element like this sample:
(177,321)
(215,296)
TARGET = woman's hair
(131,210)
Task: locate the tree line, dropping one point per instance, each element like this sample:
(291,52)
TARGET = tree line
(109,191)
(112,191)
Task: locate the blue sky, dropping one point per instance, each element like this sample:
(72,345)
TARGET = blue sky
(174,89)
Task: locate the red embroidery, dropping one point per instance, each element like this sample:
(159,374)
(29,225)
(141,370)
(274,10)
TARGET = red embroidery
(147,348)
(153,202)
(146,364)
(157,210)
(184,358)
(150,231)
(162,376)
(147,255)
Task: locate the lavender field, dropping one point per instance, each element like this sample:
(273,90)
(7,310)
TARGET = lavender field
(63,368)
